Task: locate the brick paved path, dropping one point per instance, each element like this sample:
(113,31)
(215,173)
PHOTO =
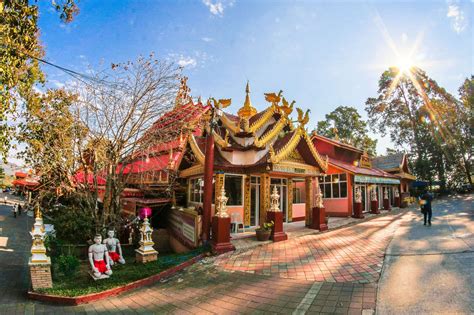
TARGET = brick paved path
(353,254)
(278,278)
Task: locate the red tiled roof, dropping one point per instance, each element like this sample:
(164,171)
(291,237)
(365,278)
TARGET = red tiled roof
(336,142)
(25,182)
(20,174)
(155,163)
(360,170)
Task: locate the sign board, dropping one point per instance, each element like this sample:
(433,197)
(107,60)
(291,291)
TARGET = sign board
(185,224)
(365,161)
(375,180)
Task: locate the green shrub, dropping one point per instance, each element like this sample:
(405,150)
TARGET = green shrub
(67,265)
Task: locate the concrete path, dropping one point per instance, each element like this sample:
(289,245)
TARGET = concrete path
(15,244)
(429,270)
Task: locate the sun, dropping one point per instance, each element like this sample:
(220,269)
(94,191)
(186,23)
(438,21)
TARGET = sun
(404,64)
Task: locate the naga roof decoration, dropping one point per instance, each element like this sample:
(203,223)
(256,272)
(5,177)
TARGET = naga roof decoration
(274,132)
(270,134)
(195,148)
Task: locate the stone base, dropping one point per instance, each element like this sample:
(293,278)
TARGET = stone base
(358,211)
(220,242)
(386,204)
(40,274)
(145,257)
(319,219)
(374,207)
(277,234)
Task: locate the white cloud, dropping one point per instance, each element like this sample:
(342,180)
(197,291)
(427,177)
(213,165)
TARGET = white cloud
(458,21)
(187,62)
(217,7)
(207,39)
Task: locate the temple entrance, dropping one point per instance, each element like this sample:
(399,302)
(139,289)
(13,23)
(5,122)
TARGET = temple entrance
(254,200)
(282,187)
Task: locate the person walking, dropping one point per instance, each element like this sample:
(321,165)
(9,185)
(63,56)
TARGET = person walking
(19,209)
(15,210)
(426,199)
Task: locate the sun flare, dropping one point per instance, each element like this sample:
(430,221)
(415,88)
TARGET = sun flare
(404,64)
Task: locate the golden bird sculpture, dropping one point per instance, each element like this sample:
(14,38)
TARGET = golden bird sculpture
(273,98)
(303,118)
(221,103)
(287,108)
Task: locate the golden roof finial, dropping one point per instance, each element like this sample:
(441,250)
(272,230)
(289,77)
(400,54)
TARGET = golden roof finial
(247,110)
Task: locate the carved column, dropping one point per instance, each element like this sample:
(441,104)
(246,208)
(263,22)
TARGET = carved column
(264,197)
(218,187)
(290,200)
(247,200)
(309,199)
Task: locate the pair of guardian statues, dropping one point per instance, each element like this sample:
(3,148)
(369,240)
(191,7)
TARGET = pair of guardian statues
(104,254)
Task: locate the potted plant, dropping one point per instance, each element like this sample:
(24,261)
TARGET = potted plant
(264,230)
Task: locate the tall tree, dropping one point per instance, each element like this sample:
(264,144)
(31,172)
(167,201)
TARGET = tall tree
(347,125)
(463,128)
(20,49)
(51,133)
(117,113)
(415,111)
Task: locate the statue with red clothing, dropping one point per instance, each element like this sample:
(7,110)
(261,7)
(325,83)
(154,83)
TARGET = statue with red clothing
(114,248)
(99,259)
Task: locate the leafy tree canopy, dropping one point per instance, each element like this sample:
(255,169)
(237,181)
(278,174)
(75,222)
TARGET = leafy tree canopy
(20,49)
(347,125)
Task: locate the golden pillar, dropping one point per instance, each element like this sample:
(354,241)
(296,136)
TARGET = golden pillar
(309,185)
(264,197)
(218,186)
(290,200)
(247,200)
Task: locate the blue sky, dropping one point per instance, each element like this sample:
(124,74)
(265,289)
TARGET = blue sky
(321,54)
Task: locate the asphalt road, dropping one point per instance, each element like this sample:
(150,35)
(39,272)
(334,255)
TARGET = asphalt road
(429,270)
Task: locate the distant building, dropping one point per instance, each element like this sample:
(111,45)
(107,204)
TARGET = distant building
(396,164)
(349,169)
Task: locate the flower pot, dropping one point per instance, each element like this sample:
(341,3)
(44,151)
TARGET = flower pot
(263,235)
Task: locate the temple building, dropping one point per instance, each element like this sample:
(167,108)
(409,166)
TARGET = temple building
(253,152)
(397,164)
(350,169)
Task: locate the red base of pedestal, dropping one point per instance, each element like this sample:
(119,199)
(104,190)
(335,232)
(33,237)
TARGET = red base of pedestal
(386,205)
(319,219)
(397,202)
(374,207)
(221,235)
(277,230)
(358,211)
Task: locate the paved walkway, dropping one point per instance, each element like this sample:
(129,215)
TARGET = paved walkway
(353,254)
(430,270)
(15,244)
(278,279)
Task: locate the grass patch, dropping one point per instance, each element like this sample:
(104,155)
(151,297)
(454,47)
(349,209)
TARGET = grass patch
(82,283)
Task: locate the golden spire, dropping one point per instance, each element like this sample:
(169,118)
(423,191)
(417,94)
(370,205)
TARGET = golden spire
(247,110)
